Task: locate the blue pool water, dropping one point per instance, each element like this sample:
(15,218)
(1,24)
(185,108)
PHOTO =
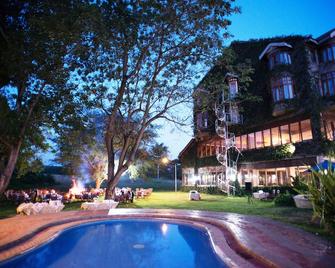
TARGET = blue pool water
(124,243)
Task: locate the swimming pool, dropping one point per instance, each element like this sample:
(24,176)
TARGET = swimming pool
(124,243)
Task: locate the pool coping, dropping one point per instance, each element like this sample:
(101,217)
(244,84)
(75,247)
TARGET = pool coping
(225,241)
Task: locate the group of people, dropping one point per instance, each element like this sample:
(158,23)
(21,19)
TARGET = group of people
(124,195)
(32,195)
(87,195)
(44,195)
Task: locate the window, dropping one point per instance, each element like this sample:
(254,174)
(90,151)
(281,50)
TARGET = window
(267,137)
(203,150)
(329,128)
(261,177)
(259,139)
(312,55)
(285,134)
(328,84)
(280,57)
(213,148)
(271,178)
(251,141)
(275,136)
(244,142)
(282,89)
(295,132)
(238,143)
(208,150)
(328,54)
(306,130)
(232,88)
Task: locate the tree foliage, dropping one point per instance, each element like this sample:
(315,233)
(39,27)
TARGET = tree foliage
(138,62)
(35,38)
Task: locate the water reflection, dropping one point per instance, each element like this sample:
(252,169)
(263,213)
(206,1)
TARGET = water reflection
(124,243)
(164,228)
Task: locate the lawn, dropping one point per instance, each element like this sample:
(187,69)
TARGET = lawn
(179,200)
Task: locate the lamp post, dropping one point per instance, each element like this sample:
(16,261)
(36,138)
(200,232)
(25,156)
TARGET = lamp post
(175,176)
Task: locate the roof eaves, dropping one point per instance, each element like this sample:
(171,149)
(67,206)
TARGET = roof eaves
(271,45)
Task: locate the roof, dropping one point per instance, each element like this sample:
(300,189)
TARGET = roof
(326,36)
(323,38)
(230,75)
(188,145)
(270,46)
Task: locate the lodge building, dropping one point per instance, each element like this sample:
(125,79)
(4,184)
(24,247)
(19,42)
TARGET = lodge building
(285,125)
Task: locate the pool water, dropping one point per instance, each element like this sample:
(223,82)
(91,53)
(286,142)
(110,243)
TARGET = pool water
(124,243)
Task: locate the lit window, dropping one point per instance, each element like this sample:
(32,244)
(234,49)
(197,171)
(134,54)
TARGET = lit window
(275,136)
(282,89)
(244,142)
(267,137)
(285,134)
(259,139)
(238,143)
(295,132)
(306,130)
(329,127)
(328,84)
(203,150)
(261,177)
(251,141)
(208,150)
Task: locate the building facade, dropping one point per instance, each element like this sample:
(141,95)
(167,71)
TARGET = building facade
(265,114)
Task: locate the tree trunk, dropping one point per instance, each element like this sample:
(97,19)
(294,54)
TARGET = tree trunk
(111,184)
(7,173)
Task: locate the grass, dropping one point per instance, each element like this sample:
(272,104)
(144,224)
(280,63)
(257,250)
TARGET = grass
(179,200)
(7,209)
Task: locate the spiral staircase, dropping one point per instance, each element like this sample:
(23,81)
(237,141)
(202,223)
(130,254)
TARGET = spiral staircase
(226,117)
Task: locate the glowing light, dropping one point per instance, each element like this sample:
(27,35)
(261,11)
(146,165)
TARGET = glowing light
(165,160)
(164,228)
(76,188)
(291,148)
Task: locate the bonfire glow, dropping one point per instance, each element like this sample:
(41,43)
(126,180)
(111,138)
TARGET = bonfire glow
(76,188)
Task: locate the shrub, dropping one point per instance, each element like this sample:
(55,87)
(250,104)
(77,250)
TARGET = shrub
(322,191)
(300,185)
(238,189)
(284,200)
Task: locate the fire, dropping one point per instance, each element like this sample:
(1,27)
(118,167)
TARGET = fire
(76,188)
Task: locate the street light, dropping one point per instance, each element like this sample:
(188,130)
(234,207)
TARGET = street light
(164,161)
(175,176)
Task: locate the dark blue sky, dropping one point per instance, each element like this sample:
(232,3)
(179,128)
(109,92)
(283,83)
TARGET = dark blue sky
(260,19)
(267,18)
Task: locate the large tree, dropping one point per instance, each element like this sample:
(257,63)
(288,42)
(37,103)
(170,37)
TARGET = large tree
(35,37)
(139,63)
(81,148)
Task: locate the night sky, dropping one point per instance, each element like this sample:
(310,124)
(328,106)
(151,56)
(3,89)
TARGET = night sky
(262,19)
(259,19)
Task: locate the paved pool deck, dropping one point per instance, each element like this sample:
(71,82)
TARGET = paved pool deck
(240,240)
